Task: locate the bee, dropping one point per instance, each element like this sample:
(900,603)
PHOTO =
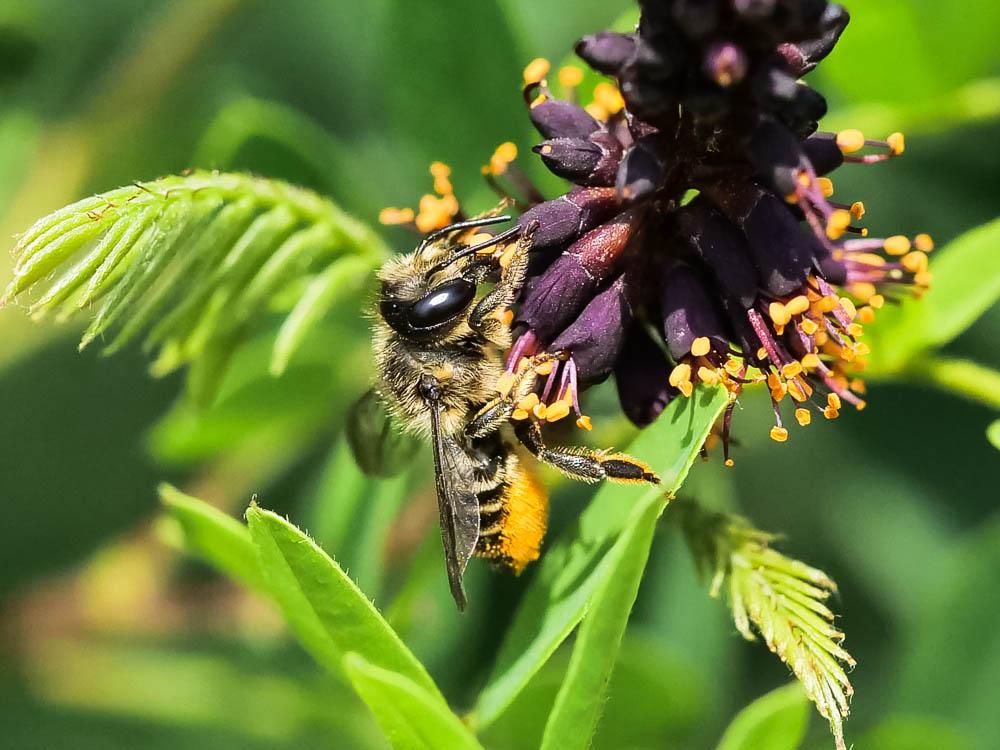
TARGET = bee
(439,352)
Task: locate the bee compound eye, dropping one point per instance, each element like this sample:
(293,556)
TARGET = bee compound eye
(441,304)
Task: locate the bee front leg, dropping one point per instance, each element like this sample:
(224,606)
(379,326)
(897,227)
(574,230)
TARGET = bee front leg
(491,317)
(584,464)
(510,397)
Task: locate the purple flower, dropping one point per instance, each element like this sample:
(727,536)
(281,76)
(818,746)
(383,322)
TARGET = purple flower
(700,241)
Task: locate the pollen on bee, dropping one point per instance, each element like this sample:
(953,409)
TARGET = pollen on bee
(506,317)
(505,382)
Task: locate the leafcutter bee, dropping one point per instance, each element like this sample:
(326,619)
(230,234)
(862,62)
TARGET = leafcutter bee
(440,357)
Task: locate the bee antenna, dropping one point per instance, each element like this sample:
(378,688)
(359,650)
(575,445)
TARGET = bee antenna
(482,221)
(465,251)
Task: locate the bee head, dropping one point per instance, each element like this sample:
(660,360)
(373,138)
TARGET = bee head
(429,314)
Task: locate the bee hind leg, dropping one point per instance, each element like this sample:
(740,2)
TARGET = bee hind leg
(584,464)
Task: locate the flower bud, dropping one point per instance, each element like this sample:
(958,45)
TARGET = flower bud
(776,155)
(723,249)
(607,52)
(823,152)
(697,18)
(780,250)
(555,118)
(592,161)
(688,311)
(805,56)
(564,219)
(567,285)
(642,169)
(641,376)
(726,64)
(594,340)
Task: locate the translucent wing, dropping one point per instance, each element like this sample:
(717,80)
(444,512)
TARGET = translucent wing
(458,506)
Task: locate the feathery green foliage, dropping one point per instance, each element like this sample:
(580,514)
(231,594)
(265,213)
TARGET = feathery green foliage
(191,262)
(781,599)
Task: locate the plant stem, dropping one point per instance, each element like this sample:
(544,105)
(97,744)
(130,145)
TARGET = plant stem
(959,376)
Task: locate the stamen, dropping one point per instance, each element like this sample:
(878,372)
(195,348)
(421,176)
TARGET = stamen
(850,141)
(897,245)
(897,142)
(395,216)
(535,71)
(504,154)
(701,346)
(680,378)
(570,76)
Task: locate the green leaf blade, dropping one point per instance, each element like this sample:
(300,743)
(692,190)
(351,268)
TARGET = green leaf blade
(323,605)
(210,534)
(572,569)
(580,700)
(221,247)
(966,283)
(776,721)
(411,717)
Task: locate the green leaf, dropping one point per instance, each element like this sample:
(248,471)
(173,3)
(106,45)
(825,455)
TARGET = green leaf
(888,52)
(411,717)
(213,249)
(993,434)
(950,663)
(781,599)
(776,721)
(350,515)
(208,533)
(573,569)
(344,278)
(958,376)
(966,284)
(581,698)
(322,604)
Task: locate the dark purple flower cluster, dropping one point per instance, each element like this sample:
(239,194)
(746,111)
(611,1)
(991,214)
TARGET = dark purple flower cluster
(699,241)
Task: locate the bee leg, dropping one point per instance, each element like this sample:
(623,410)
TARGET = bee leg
(488,316)
(511,396)
(584,464)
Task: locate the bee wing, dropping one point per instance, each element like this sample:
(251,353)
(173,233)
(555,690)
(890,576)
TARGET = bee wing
(458,505)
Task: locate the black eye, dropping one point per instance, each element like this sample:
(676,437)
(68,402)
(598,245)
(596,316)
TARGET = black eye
(441,304)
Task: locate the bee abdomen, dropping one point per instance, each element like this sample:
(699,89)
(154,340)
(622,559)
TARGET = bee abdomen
(513,517)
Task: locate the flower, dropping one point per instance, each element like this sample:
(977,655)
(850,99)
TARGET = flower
(700,240)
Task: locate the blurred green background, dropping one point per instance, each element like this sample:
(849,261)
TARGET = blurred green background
(109,639)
